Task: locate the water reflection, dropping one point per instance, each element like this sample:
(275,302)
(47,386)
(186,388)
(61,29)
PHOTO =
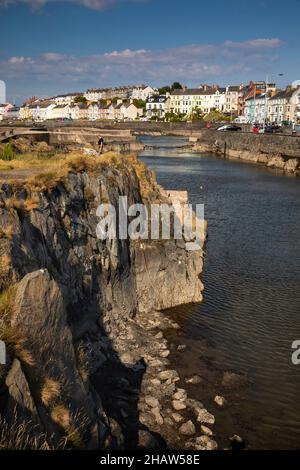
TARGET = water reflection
(251,310)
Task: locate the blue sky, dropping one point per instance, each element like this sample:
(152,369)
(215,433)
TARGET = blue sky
(49,46)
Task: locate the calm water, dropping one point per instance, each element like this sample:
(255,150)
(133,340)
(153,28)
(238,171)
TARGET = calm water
(251,310)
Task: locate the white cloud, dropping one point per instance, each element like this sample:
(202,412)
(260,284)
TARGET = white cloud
(93,4)
(16,60)
(52,56)
(127,53)
(218,63)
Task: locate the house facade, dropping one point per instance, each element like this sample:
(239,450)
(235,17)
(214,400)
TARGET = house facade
(256,108)
(185,101)
(158,106)
(143,92)
(285,106)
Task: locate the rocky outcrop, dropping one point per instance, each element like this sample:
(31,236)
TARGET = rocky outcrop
(275,151)
(83,328)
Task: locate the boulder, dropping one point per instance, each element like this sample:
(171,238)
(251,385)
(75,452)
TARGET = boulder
(187,429)
(220,401)
(205,417)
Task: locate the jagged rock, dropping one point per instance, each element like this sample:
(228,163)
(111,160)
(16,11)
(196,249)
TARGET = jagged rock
(195,405)
(157,415)
(169,375)
(165,353)
(152,402)
(205,417)
(292,165)
(208,432)
(233,380)
(180,395)
(178,405)
(177,417)
(220,401)
(78,299)
(205,443)
(237,442)
(20,395)
(146,440)
(128,358)
(187,429)
(194,380)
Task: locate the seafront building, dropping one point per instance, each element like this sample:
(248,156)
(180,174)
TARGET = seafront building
(158,106)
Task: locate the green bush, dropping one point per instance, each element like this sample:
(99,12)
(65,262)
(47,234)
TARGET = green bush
(7,152)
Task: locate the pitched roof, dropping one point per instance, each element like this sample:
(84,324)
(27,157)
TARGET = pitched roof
(157,99)
(283,94)
(193,91)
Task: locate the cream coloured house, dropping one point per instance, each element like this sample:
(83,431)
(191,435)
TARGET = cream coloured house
(284,105)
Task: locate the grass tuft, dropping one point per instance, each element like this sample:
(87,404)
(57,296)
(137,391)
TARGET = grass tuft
(50,391)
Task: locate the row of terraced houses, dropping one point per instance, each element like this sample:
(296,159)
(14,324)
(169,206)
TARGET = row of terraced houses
(255,102)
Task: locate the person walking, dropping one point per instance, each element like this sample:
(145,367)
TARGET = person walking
(101,144)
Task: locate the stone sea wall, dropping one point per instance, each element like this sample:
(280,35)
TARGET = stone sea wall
(275,150)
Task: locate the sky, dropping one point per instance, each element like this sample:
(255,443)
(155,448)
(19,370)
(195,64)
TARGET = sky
(49,47)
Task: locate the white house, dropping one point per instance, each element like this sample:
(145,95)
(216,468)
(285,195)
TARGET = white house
(158,106)
(61,111)
(93,113)
(4,107)
(68,98)
(142,92)
(12,112)
(41,111)
(95,94)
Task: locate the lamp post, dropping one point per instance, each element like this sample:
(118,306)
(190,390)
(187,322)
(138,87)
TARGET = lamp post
(266,100)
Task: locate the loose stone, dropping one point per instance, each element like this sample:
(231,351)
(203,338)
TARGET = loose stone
(205,417)
(187,429)
(178,405)
(168,375)
(206,431)
(152,402)
(193,380)
(177,417)
(220,401)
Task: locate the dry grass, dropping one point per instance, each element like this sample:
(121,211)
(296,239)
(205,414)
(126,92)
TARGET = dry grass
(50,391)
(7,298)
(7,232)
(61,416)
(11,335)
(82,363)
(25,436)
(21,205)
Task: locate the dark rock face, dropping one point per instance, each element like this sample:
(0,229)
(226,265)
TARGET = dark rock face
(81,307)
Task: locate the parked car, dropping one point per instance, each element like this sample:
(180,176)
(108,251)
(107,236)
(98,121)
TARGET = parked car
(241,120)
(229,128)
(271,129)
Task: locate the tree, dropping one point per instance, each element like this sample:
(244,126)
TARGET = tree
(80,99)
(141,104)
(173,117)
(197,114)
(164,90)
(176,86)
(215,116)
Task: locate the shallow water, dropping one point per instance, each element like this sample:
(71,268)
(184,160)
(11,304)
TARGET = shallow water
(251,310)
